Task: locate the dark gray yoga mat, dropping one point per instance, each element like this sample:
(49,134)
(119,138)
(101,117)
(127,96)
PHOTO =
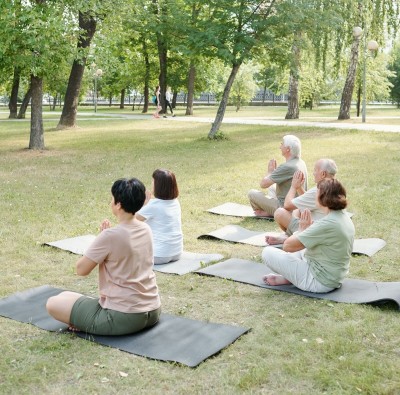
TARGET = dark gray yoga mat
(174,338)
(237,234)
(189,261)
(352,290)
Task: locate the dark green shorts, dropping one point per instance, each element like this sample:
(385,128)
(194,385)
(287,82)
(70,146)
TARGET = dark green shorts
(88,316)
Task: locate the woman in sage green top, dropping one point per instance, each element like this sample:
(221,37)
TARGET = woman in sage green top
(316,258)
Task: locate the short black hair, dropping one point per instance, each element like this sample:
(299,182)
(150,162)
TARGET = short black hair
(165,185)
(130,193)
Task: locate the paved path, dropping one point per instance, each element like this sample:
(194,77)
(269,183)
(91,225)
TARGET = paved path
(102,116)
(274,122)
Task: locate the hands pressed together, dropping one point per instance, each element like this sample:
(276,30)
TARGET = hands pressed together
(298,179)
(305,219)
(272,165)
(105,225)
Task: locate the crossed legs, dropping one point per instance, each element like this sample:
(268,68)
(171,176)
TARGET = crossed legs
(263,206)
(60,306)
(287,221)
(290,268)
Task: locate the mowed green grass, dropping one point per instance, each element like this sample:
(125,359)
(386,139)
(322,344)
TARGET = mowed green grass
(296,345)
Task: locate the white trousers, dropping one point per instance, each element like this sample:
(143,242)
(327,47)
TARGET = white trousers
(294,267)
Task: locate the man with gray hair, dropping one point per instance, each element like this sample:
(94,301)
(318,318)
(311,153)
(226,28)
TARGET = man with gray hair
(278,179)
(287,217)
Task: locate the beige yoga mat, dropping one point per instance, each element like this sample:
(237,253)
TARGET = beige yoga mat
(368,247)
(236,210)
(189,261)
(241,210)
(77,245)
(237,234)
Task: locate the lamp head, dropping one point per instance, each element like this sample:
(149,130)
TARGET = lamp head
(357,32)
(372,45)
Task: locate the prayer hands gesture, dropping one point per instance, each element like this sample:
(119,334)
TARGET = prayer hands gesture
(105,225)
(272,165)
(298,179)
(148,196)
(305,219)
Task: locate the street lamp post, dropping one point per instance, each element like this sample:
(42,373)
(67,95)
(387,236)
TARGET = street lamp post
(371,46)
(97,74)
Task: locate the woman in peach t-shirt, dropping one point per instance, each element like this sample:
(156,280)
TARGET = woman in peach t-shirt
(128,294)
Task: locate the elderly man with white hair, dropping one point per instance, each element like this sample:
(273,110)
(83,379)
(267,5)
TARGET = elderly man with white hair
(278,179)
(287,217)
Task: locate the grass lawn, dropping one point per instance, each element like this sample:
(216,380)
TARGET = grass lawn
(296,345)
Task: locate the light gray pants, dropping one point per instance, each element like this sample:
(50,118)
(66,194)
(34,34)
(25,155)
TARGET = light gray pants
(259,201)
(294,267)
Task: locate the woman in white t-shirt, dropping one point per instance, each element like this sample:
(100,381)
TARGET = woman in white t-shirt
(162,213)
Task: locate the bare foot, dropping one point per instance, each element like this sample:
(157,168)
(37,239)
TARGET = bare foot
(262,213)
(73,328)
(275,240)
(275,279)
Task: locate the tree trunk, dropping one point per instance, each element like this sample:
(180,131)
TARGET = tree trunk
(224,102)
(53,107)
(25,102)
(122,101)
(13,104)
(146,77)
(162,47)
(162,56)
(347,94)
(36,140)
(190,88)
(87,23)
(174,97)
(134,100)
(293,97)
(358,100)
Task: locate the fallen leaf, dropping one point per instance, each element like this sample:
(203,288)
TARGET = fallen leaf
(105,380)
(123,374)
(319,340)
